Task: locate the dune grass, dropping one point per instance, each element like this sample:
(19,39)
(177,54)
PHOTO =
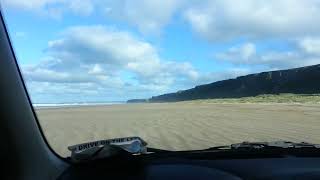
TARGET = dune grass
(267,98)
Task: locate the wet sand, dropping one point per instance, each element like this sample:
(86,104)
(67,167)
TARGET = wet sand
(183,125)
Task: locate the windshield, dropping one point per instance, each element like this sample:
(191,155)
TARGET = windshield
(180,74)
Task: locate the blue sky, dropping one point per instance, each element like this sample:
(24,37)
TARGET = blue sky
(94,50)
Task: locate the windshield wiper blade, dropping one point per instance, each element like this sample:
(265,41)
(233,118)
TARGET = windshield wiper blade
(274,144)
(266,145)
(107,148)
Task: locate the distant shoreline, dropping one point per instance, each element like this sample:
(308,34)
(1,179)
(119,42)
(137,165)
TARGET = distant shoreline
(63,105)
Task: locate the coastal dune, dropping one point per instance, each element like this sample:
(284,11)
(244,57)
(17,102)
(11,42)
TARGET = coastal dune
(182,125)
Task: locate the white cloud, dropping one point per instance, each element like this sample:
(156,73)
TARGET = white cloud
(27,5)
(306,53)
(96,69)
(82,7)
(148,16)
(227,19)
(239,54)
(118,51)
(100,44)
(310,45)
(100,56)
(36,73)
(213,20)
(53,8)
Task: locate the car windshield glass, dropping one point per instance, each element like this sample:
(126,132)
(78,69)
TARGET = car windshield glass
(179,74)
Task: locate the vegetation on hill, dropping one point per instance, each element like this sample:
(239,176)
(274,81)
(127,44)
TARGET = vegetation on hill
(304,80)
(267,98)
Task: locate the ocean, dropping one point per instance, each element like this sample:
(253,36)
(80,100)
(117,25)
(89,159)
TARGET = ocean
(59,105)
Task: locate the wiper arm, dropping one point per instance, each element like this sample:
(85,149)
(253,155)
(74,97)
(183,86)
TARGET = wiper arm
(107,148)
(266,145)
(274,144)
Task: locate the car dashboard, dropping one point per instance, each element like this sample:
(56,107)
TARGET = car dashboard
(179,167)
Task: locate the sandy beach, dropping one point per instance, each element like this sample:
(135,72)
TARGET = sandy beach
(181,126)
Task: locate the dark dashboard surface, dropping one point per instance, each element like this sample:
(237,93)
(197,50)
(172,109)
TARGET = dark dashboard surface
(289,167)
